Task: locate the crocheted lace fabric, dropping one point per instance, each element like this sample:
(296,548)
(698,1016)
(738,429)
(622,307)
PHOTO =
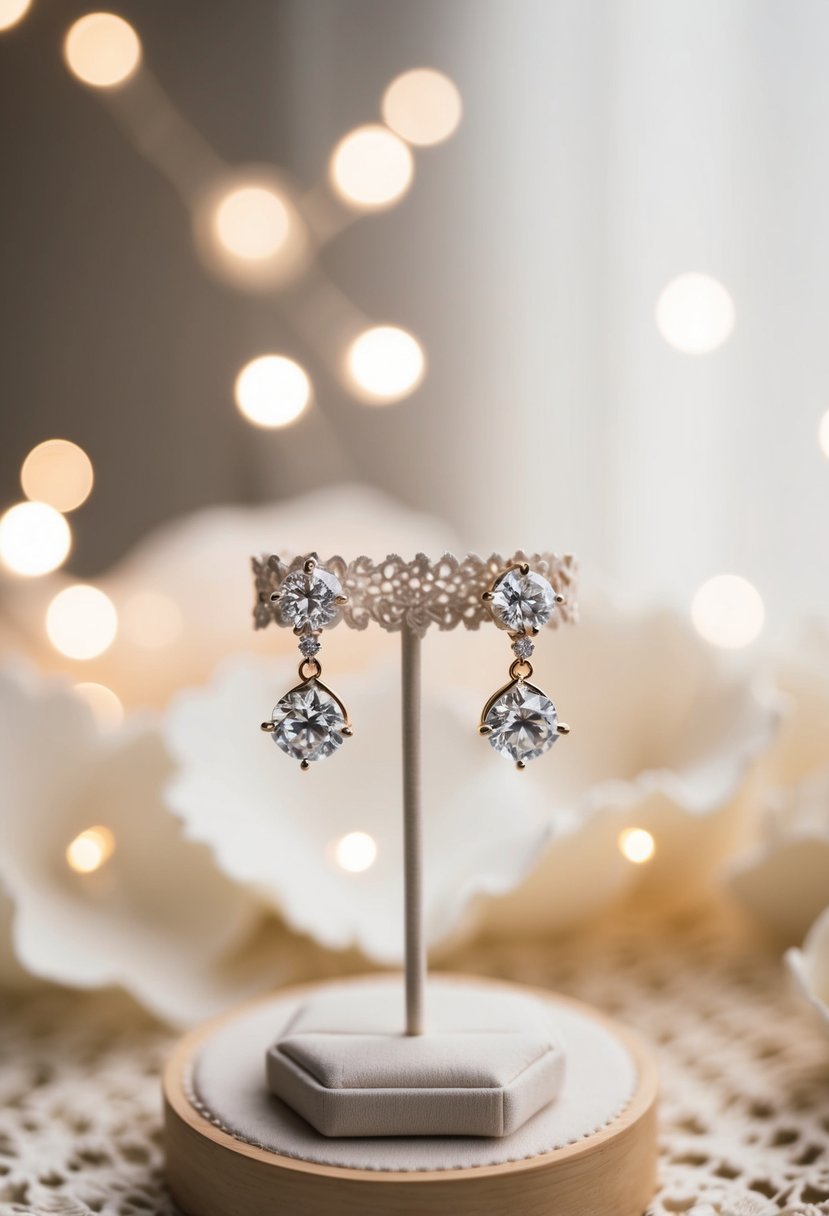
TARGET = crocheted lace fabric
(745,1074)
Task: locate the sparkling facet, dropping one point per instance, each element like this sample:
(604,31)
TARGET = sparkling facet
(308,722)
(522,602)
(309,646)
(309,601)
(522,648)
(522,722)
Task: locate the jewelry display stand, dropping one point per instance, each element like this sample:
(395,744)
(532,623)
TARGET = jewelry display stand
(385,1094)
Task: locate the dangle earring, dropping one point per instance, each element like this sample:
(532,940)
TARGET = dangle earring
(520,720)
(309,722)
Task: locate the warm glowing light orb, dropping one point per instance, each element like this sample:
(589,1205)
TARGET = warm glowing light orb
(355,852)
(103,702)
(151,620)
(695,313)
(385,363)
(90,849)
(272,391)
(728,611)
(34,539)
(823,434)
(59,473)
(423,106)
(252,222)
(102,50)
(371,167)
(637,845)
(12,11)
(81,622)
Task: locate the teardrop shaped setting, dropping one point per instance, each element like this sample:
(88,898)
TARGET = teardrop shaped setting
(521,722)
(309,723)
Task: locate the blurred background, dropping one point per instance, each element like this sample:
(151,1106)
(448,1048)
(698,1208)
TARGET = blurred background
(566,286)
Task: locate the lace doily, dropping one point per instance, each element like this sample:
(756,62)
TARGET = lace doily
(745,1075)
(393,593)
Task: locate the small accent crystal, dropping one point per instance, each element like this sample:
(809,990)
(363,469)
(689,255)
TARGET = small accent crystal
(522,602)
(309,645)
(523,648)
(522,722)
(308,599)
(308,722)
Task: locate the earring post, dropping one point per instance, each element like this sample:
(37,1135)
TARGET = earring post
(415,965)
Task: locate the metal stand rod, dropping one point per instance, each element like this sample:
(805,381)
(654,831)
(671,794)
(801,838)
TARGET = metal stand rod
(412,834)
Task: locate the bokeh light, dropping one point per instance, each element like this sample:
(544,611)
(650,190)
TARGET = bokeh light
(637,845)
(104,703)
(252,222)
(371,167)
(695,313)
(90,849)
(423,106)
(102,50)
(12,11)
(81,622)
(59,473)
(728,611)
(355,852)
(385,363)
(823,434)
(34,539)
(151,620)
(272,391)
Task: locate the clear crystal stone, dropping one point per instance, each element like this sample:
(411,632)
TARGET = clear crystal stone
(523,648)
(309,646)
(308,722)
(309,600)
(522,722)
(522,602)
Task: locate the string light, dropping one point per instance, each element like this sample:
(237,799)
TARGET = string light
(34,539)
(272,391)
(355,852)
(81,622)
(637,845)
(371,167)
(59,473)
(695,313)
(102,50)
(150,620)
(728,611)
(103,702)
(385,363)
(252,223)
(90,850)
(423,106)
(12,11)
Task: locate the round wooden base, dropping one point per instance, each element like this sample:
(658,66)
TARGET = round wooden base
(211,1173)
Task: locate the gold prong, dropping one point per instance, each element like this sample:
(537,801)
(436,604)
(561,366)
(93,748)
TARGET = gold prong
(563,729)
(348,731)
(524,567)
(304,765)
(520,765)
(309,565)
(534,631)
(268,728)
(560,599)
(340,600)
(274,596)
(298,630)
(483,729)
(487,596)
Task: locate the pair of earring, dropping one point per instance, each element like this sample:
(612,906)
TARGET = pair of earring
(310,722)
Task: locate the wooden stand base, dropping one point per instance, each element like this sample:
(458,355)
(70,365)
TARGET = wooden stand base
(214,1173)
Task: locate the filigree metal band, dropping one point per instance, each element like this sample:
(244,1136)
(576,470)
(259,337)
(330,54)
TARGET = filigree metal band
(394,593)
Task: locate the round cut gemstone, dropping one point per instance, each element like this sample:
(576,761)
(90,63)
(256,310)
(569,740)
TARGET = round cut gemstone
(309,600)
(308,722)
(522,722)
(522,602)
